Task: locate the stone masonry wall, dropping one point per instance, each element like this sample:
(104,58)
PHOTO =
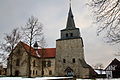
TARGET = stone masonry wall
(22,56)
(69,49)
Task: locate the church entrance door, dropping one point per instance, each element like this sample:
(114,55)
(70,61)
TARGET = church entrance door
(17,73)
(69,72)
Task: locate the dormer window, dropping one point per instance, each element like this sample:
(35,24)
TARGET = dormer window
(66,34)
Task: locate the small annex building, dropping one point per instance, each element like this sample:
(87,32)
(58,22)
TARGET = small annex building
(113,69)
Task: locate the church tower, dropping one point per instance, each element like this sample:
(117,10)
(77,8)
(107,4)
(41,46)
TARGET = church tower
(70,52)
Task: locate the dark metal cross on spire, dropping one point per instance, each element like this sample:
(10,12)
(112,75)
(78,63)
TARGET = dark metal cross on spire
(70,2)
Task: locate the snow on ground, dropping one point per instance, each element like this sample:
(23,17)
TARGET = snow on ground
(45,78)
(37,78)
(98,79)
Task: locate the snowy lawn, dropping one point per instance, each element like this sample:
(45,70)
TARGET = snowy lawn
(44,78)
(98,79)
(37,78)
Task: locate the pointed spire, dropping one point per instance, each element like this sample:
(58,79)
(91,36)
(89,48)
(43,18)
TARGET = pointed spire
(70,20)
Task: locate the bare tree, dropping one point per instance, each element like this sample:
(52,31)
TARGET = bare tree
(10,41)
(107,14)
(32,29)
(42,44)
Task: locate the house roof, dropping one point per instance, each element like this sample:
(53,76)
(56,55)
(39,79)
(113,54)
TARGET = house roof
(46,52)
(49,52)
(114,62)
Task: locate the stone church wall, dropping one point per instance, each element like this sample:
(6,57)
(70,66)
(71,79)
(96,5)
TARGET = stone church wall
(21,67)
(68,50)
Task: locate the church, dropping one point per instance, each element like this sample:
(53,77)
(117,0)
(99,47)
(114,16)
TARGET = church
(67,59)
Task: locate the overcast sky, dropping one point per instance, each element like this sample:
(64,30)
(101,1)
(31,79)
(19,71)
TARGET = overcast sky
(53,15)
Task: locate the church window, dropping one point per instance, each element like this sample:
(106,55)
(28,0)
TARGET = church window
(49,64)
(16,73)
(73,60)
(34,63)
(33,72)
(44,63)
(64,61)
(18,62)
(0,72)
(36,72)
(66,34)
(50,72)
(71,34)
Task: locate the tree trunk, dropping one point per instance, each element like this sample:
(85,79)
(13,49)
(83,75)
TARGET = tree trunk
(29,66)
(11,64)
(11,67)
(29,61)
(42,72)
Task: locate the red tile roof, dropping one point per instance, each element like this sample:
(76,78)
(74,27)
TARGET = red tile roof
(47,52)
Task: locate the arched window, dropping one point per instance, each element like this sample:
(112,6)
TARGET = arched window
(34,63)
(71,34)
(36,72)
(49,63)
(66,34)
(33,72)
(50,72)
(0,72)
(64,61)
(73,60)
(18,62)
(17,73)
